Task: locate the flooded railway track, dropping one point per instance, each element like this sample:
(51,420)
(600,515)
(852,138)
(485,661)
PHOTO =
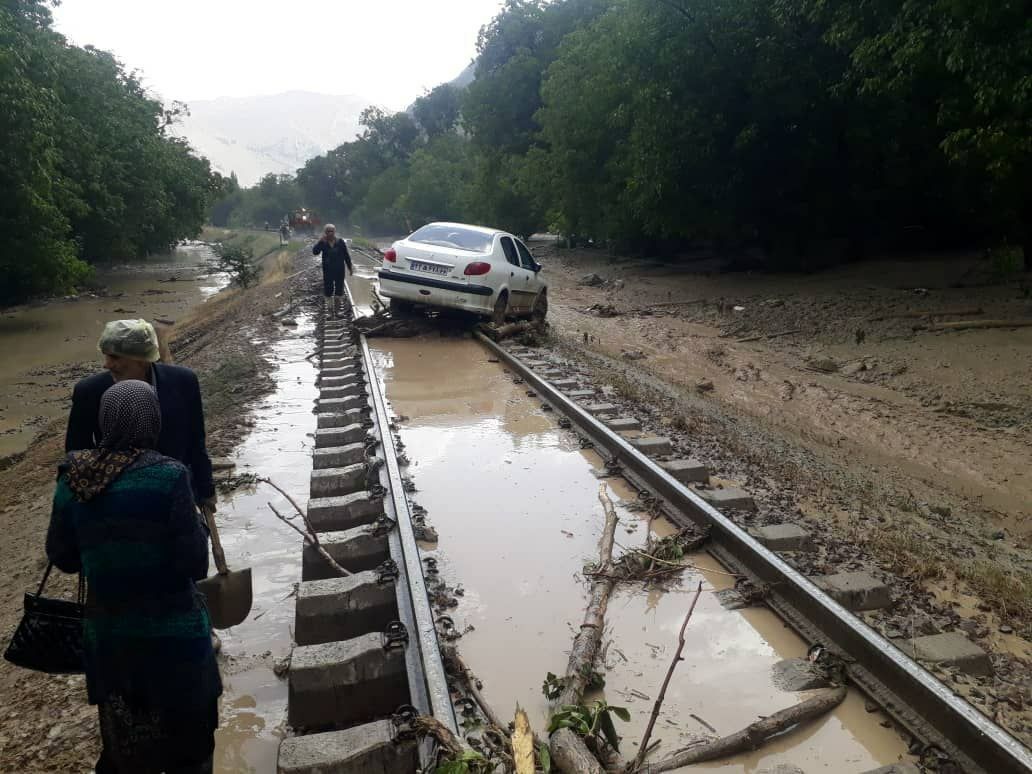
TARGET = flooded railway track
(510,486)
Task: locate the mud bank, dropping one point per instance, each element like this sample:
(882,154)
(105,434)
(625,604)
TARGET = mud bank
(242,353)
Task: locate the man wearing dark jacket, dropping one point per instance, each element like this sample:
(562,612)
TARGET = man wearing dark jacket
(335,260)
(130,349)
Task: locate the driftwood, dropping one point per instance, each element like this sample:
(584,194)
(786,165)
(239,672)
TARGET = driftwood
(585,644)
(960,325)
(499,332)
(569,753)
(753,735)
(927,313)
(676,303)
(312,540)
(768,336)
(643,748)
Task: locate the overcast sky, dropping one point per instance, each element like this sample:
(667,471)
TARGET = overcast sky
(388,51)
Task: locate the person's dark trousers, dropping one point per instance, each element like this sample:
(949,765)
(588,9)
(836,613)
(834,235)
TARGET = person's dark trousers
(333,280)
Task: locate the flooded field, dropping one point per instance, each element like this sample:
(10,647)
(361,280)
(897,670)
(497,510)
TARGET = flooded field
(47,347)
(514,499)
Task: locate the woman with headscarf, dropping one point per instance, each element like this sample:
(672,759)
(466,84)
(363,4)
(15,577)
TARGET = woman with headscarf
(124,515)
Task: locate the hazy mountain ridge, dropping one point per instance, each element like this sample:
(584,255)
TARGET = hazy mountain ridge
(253,136)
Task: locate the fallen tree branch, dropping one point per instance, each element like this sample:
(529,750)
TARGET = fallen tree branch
(497,333)
(585,644)
(676,303)
(753,735)
(569,753)
(311,540)
(960,325)
(927,313)
(768,336)
(293,502)
(643,748)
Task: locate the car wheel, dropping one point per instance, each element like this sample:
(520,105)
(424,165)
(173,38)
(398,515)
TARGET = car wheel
(540,310)
(501,307)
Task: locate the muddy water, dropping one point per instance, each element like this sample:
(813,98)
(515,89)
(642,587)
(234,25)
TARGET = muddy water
(47,347)
(279,447)
(514,499)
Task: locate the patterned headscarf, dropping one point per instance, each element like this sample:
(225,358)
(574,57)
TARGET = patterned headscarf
(130,423)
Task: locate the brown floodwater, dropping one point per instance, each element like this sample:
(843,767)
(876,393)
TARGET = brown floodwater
(45,348)
(279,447)
(514,500)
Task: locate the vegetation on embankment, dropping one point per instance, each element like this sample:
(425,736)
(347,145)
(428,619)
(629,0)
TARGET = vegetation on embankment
(811,129)
(89,170)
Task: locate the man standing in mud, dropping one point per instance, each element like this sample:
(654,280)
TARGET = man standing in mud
(130,349)
(336,260)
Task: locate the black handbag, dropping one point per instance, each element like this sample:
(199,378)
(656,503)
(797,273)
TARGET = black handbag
(49,637)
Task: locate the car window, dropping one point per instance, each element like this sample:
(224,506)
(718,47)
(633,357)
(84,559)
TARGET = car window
(510,251)
(453,236)
(525,257)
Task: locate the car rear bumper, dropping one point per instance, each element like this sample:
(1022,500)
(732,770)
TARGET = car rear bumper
(431,282)
(436,292)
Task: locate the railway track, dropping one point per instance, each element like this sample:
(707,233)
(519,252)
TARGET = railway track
(368,656)
(367,659)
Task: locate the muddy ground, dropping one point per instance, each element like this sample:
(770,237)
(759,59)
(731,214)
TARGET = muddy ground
(905,449)
(45,723)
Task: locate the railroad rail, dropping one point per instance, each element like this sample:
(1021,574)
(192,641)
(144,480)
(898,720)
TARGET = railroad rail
(911,695)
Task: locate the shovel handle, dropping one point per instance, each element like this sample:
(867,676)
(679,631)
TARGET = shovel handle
(216,545)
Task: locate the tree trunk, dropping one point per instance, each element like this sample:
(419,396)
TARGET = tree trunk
(569,753)
(753,735)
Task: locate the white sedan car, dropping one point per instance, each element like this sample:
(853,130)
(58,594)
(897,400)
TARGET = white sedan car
(482,270)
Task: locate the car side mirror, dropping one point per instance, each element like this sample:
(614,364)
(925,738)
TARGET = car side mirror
(537,267)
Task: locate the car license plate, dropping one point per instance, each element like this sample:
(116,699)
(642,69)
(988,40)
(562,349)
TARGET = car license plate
(432,268)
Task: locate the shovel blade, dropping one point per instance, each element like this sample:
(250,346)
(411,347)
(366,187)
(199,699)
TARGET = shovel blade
(228,597)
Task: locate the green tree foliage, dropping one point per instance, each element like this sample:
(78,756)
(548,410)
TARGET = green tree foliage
(38,254)
(810,130)
(437,112)
(88,168)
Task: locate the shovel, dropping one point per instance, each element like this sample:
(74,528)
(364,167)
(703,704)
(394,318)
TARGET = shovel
(228,593)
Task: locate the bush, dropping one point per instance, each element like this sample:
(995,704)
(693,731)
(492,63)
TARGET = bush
(238,262)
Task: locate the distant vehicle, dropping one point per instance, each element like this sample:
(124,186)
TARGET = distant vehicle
(304,221)
(458,266)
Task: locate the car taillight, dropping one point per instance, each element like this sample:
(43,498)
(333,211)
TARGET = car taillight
(391,255)
(477,268)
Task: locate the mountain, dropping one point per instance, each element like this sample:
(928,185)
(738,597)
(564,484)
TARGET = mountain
(253,136)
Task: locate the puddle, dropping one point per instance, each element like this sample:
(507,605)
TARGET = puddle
(514,500)
(279,447)
(48,347)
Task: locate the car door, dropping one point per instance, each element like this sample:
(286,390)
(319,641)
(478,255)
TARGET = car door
(536,284)
(521,296)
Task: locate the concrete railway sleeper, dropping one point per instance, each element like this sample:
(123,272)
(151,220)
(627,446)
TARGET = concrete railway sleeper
(366,659)
(820,609)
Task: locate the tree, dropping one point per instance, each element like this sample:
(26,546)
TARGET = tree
(38,254)
(437,112)
(975,59)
